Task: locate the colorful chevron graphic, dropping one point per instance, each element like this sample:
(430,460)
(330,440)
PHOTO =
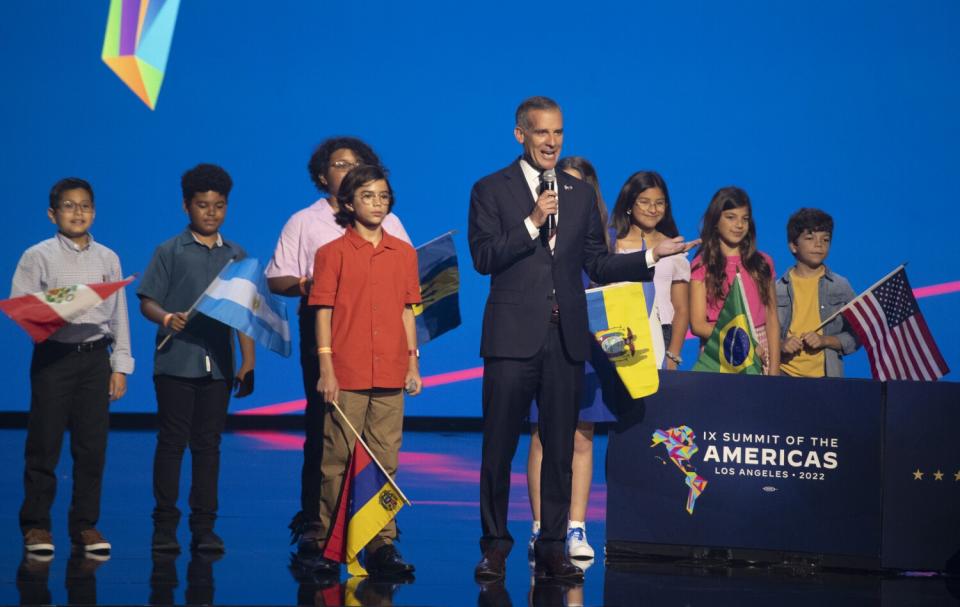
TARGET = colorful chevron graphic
(137,43)
(680,448)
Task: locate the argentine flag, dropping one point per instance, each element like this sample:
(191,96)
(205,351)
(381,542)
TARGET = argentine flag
(239,298)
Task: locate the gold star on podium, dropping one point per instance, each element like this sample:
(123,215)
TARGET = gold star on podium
(917,475)
(938,476)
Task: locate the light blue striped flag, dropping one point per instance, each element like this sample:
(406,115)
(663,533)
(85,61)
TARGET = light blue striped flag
(239,297)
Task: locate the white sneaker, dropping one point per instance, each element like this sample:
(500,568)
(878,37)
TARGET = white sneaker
(577,546)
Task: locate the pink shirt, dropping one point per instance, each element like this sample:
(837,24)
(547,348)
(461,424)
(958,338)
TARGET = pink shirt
(757,309)
(309,229)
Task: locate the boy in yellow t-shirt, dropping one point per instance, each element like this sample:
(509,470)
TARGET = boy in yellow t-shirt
(806,294)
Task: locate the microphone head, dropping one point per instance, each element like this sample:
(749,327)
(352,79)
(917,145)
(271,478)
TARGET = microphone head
(550,175)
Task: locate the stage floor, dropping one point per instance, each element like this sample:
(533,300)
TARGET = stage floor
(438,471)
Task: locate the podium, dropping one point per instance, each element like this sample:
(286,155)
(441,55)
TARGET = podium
(845,472)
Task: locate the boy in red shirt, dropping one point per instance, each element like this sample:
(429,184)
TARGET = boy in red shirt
(365,285)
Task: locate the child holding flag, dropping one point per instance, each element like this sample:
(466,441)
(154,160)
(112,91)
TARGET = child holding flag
(74,374)
(365,284)
(808,293)
(729,248)
(193,370)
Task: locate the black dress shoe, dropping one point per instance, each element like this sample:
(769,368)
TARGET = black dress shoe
(556,565)
(493,566)
(205,540)
(165,540)
(387,562)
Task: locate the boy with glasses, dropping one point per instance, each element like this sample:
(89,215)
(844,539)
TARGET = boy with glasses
(365,286)
(73,375)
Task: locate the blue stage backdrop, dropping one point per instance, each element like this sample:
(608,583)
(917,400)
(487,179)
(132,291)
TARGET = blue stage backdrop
(849,106)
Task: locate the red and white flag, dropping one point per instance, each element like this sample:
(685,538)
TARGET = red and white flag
(42,314)
(888,322)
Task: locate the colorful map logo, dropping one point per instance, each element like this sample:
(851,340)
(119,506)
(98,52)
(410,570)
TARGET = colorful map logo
(680,448)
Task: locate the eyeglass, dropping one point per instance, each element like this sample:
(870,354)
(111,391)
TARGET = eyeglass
(646,203)
(70,206)
(374,199)
(344,165)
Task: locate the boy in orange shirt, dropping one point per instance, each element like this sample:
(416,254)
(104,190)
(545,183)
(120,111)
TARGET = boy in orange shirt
(365,285)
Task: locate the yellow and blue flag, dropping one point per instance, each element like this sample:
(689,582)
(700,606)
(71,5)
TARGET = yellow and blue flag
(439,288)
(617,315)
(732,347)
(368,500)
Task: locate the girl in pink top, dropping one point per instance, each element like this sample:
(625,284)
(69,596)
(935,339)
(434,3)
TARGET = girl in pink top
(729,244)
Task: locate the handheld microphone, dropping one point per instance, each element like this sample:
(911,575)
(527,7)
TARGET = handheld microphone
(550,180)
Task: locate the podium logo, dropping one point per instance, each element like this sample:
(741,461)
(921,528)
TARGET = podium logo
(680,449)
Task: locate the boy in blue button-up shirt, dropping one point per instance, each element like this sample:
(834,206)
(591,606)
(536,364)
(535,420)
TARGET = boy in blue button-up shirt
(193,371)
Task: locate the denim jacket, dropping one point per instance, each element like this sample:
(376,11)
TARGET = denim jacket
(833,293)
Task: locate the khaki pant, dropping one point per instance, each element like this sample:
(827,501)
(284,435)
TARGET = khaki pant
(378,416)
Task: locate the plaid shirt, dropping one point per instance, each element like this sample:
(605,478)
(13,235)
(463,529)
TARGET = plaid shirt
(59,262)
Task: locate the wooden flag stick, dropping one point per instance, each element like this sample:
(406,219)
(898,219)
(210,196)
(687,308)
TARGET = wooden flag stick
(169,336)
(369,452)
(859,297)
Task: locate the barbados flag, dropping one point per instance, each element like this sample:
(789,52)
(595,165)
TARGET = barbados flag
(617,315)
(368,500)
(439,288)
(239,297)
(732,347)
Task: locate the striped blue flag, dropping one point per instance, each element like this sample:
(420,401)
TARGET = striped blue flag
(239,297)
(439,288)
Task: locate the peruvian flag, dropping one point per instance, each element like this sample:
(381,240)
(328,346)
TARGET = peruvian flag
(42,314)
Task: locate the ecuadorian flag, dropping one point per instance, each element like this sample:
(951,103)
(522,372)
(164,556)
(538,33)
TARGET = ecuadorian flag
(439,288)
(617,315)
(732,347)
(368,500)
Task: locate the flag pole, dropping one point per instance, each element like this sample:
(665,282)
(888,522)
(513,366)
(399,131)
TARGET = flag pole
(447,233)
(195,304)
(746,305)
(369,452)
(859,297)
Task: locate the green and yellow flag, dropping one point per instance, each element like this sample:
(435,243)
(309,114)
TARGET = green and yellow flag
(732,347)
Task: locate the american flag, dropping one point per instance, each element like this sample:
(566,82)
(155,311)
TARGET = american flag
(888,322)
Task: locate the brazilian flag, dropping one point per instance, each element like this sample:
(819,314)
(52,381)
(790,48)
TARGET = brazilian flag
(732,347)
(439,288)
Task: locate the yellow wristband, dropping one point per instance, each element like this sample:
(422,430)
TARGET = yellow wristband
(324,350)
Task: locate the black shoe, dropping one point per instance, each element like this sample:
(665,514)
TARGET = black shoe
(553,563)
(165,540)
(492,567)
(387,562)
(312,540)
(207,541)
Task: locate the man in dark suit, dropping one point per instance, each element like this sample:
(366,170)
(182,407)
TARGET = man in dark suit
(535,336)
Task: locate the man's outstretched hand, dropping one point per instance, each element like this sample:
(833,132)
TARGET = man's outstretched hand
(673,246)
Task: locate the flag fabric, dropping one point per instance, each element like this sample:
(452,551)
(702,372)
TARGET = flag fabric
(42,314)
(732,347)
(239,297)
(888,322)
(439,288)
(617,316)
(367,502)
(136,43)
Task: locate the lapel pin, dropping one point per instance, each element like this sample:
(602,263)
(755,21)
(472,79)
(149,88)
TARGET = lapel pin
(567,188)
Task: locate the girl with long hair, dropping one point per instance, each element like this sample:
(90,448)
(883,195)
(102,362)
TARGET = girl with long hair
(729,246)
